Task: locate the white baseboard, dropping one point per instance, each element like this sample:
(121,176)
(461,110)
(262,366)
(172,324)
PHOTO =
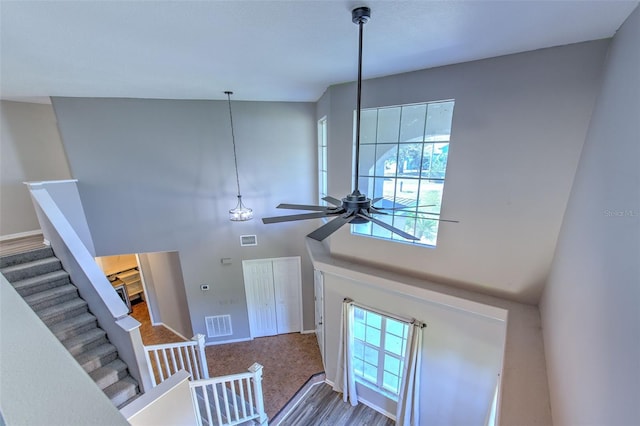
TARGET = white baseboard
(308,331)
(223,342)
(171,329)
(20,235)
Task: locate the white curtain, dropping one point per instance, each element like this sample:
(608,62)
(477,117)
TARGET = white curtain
(408,411)
(345,380)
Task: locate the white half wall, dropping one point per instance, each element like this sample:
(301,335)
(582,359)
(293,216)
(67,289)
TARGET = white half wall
(591,305)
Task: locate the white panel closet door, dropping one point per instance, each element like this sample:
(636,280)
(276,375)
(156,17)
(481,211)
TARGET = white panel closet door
(318,289)
(273,289)
(286,279)
(258,282)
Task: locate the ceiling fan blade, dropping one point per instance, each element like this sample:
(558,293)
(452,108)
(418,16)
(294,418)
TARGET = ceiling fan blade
(333,201)
(302,207)
(303,216)
(330,227)
(403,208)
(429,218)
(389,227)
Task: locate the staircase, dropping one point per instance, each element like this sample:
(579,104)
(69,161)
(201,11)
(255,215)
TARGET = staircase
(37,275)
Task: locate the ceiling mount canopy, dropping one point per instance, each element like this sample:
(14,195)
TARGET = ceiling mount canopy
(240,212)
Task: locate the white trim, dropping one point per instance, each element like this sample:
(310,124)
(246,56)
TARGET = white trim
(223,342)
(19,235)
(34,185)
(376,408)
(172,330)
(308,331)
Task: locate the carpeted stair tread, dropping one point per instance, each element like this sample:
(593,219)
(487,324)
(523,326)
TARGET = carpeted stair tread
(122,391)
(62,311)
(42,282)
(85,340)
(26,256)
(97,357)
(52,296)
(22,271)
(68,328)
(110,373)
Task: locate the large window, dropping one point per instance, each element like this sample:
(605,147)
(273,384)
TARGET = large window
(403,160)
(322,160)
(380,343)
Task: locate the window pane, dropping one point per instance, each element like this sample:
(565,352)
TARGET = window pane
(412,123)
(367,160)
(379,231)
(373,336)
(358,331)
(392,365)
(390,382)
(371,355)
(388,125)
(370,372)
(358,349)
(409,158)
(362,228)
(358,367)
(386,159)
(396,327)
(368,125)
(427,157)
(393,344)
(439,116)
(373,319)
(439,160)
(407,192)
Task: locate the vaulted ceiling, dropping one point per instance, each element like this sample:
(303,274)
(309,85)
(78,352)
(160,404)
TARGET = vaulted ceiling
(265,50)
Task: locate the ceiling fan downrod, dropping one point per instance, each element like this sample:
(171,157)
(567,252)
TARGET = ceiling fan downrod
(359,16)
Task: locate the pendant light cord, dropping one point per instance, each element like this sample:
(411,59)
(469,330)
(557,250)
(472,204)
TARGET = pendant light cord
(233,140)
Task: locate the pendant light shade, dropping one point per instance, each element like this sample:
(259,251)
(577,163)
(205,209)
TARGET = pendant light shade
(240,212)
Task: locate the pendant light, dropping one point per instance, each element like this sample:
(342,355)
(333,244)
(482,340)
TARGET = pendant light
(241,212)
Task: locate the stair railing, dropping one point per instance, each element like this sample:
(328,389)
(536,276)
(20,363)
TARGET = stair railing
(167,359)
(230,400)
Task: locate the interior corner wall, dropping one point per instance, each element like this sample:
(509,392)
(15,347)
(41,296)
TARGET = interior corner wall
(158,176)
(165,290)
(519,124)
(30,150)
(590,306)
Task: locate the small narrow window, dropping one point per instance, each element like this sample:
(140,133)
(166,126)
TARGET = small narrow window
(322,160)
(380,343)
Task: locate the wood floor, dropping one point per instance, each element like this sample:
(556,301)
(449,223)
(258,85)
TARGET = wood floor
(323,406)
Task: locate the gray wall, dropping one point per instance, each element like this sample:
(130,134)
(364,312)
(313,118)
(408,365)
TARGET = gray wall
(165,290)
(519,124)
(590,305)
(157,175)
(30,150)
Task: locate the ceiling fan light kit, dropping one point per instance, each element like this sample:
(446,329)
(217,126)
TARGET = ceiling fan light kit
(240,212)
(355,208)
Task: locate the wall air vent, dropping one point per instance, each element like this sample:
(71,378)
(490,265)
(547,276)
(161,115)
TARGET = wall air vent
(219,326)
(248,240)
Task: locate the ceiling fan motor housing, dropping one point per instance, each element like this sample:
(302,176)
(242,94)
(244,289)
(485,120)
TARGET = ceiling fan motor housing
(360,14)
(357,202)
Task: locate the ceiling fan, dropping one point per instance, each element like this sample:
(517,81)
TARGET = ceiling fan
(355,208)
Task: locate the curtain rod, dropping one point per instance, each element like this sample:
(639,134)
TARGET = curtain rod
(378,311)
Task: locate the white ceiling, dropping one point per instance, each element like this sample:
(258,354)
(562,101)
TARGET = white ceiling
(266,50)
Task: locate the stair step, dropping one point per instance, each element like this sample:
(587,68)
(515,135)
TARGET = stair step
(63,311)
(51,297)
(86,340)
(97,357)
(68,328)
(122,391)
(27,256)
(40,283)
(110,373)
(34,268)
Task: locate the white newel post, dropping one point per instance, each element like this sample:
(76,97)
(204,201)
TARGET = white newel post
(256,370)
(203,356)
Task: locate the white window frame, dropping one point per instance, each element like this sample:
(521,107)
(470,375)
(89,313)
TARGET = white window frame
(407,220)
(322,160)
(382,352)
